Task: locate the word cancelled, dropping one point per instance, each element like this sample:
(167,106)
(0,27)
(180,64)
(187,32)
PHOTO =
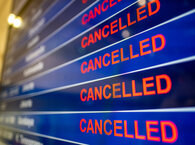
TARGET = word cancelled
(119,90)
(152,130)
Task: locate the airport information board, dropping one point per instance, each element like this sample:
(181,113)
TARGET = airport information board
(100,72)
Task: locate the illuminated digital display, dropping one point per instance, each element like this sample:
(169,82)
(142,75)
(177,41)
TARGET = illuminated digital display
(100,72)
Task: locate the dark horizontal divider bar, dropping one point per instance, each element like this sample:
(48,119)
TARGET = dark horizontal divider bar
(175,128)
(74,50)
(126,92)
(168,44)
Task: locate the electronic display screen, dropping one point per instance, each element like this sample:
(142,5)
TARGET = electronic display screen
(100,72)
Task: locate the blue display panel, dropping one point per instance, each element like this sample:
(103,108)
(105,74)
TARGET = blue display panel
(52,26)
(152,127)
(157,42)
(64,34)
(146,89)
(153,11)
(100,72)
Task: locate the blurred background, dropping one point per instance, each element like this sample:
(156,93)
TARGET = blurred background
(5,9)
